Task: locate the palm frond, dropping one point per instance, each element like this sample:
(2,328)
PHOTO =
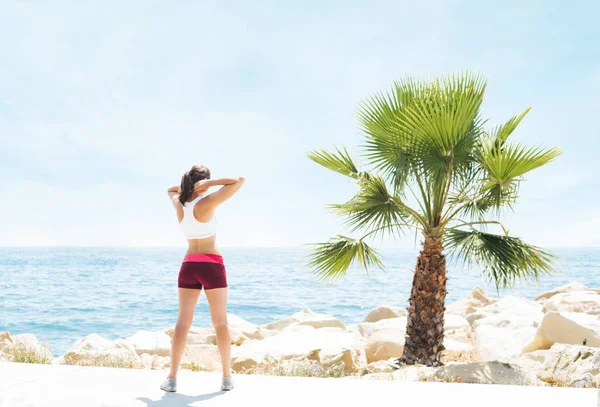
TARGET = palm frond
(505,167)
(373,207)
(331,260)
(515,160)
(386,149)
(442,110)
(500,133)
(504,259)
(340,162)
(475,207)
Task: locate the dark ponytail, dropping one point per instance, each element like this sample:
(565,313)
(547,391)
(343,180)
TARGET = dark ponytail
(197,173)
(187,188)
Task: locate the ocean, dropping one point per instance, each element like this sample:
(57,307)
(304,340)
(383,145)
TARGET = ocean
(62,294)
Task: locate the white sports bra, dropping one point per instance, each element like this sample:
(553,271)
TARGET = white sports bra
(194,229)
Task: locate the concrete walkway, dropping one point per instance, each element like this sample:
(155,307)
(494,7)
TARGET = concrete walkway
(25,385)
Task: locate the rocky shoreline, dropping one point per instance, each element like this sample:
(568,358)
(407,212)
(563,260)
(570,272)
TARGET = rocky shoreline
(552,340)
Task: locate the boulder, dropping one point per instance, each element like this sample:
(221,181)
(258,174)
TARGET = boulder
(202,336)
(458,339)
(584,301)
(571,287)
(245,363)
(240,330)
(299,342)
(376,376)
(154,362)
(365,329)
(388,337)
(572,365)
(509,306)
(5,341)
(152,343)
(502,336)
(308,318)
(201,357)
(94,350)
(568,328)
(387,340)
(530,364)
(352,359)
(474,302)
(414,373)
(531,361)
(492,372)
(384,312)
(5,347)
(502,329)
(29,343)
(381,366)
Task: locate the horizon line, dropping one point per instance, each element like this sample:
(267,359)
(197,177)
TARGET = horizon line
(226,247)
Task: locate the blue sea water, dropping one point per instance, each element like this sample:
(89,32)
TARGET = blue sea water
(63,294)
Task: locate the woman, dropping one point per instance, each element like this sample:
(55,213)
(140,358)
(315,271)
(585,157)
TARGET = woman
(202,265)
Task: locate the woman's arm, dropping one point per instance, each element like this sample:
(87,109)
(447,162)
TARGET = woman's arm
(173,193)
(230,187)
(207,183)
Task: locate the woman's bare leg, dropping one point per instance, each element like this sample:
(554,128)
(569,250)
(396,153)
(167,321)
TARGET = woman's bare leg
(187,304)
(217,300)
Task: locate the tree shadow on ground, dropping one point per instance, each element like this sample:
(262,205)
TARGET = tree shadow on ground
(178,399)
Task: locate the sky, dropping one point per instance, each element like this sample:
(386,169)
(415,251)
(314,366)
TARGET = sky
(107,103)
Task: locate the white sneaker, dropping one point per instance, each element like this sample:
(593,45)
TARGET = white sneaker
(227,384)
(170,384)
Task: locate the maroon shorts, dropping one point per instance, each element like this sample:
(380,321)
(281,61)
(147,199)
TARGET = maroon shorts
(202,270)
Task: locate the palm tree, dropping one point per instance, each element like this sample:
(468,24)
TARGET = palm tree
(434,169)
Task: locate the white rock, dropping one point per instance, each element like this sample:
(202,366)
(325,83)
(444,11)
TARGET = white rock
(31,343)
(566,327)
(458,338)
(201,357)
(206,336)
(246,363)
(530,364)
(296,342)
(352,359)
(571,364)
(501,330)
(388,337)
(474,302)
(94,350)
(365,329)
(381,366)
(5,341)
(240,330)
(384,312)
(587,302)
(387,340)
(492,372)
(154,361)
(571,287)
(509,306)
(502,336)
(306,317)
(413,373)
(153,343)
(378,376)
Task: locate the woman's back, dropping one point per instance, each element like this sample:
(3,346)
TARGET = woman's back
(199,226)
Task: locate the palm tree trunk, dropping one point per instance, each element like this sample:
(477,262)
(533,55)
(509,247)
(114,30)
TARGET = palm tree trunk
(425,325)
